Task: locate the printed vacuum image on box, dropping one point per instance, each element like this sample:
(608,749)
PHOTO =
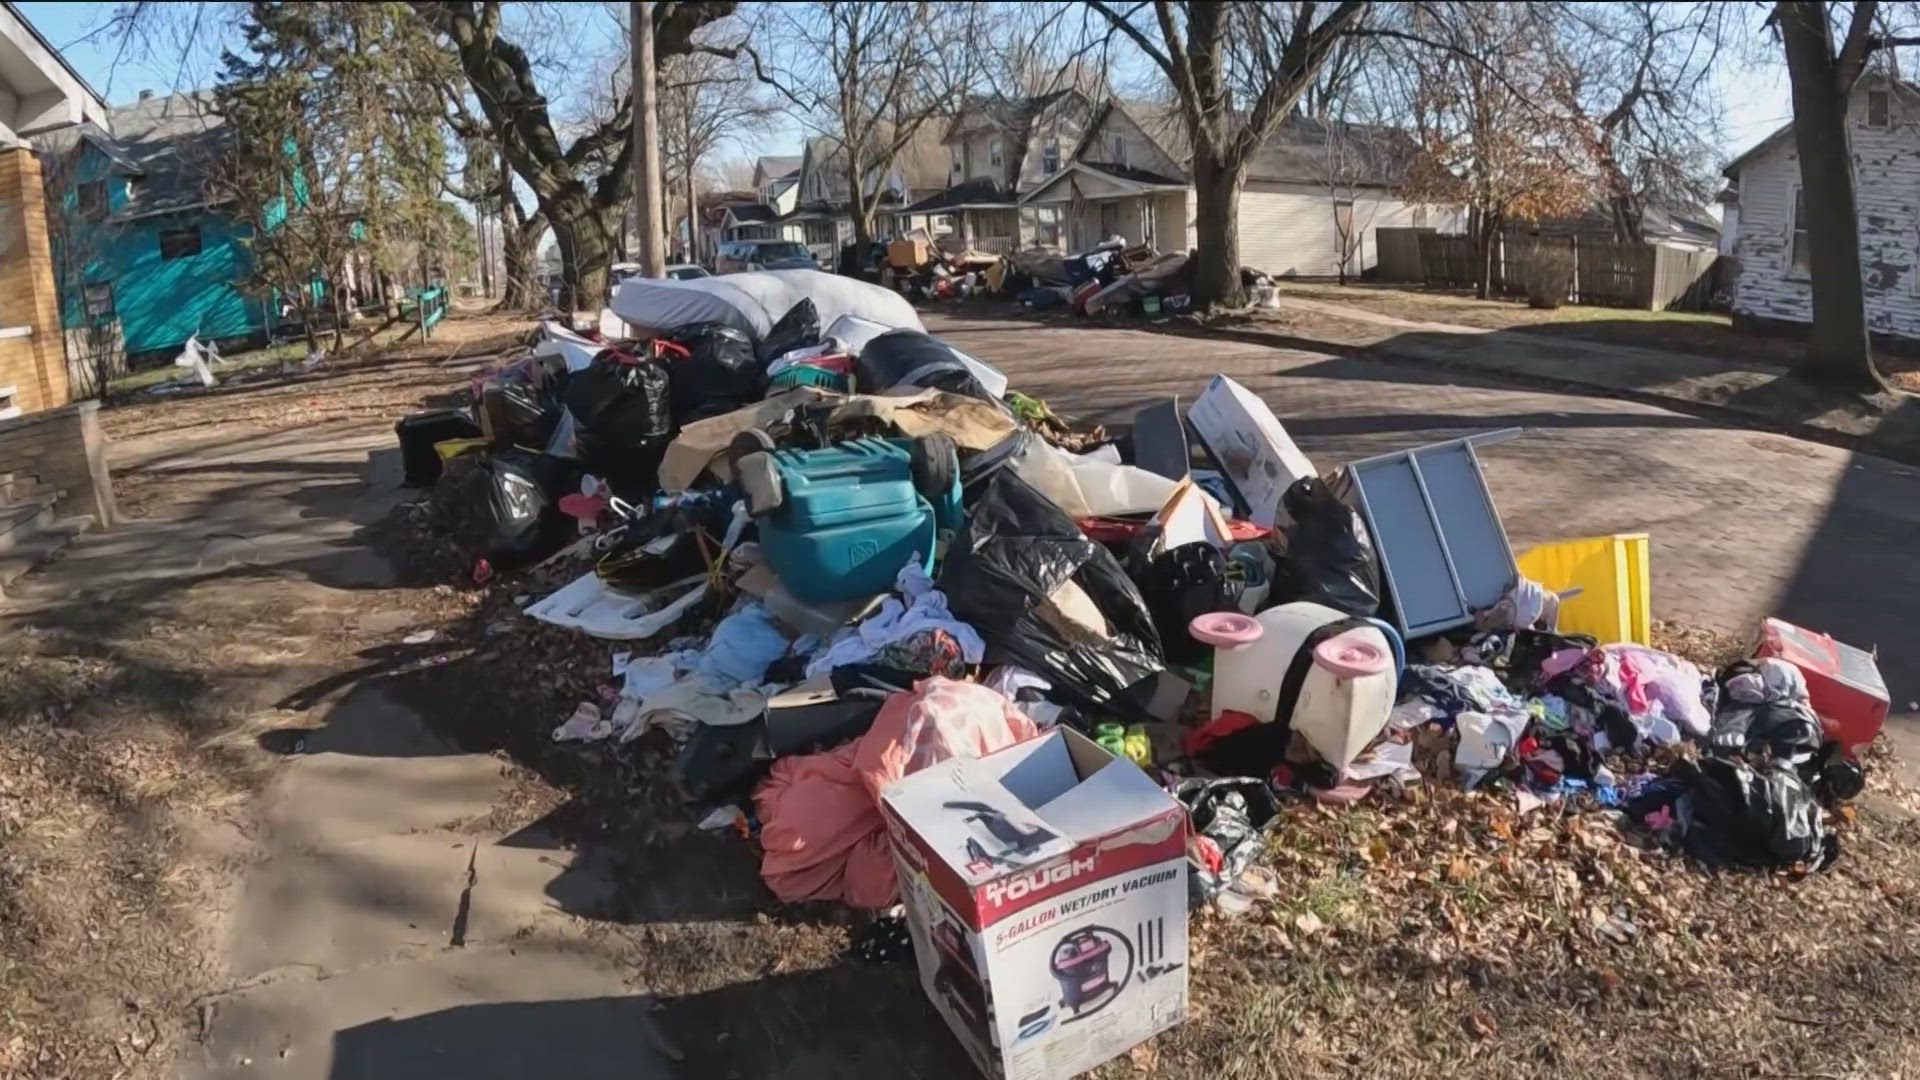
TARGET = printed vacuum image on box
(1046,893)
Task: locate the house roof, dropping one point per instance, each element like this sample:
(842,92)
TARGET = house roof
(1137,176)
(751,212)
(1732,171)
(980,191)
(169,143)
(1125,179)
(1301,150)
(778,165)
(1307,151)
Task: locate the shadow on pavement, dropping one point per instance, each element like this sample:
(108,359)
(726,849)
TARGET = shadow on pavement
(605,1038)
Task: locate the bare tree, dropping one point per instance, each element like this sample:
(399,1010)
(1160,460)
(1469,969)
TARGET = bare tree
(583,185)
(1493,137)
(705,100)
(1638,76)
(869,77)
(1236,70)
(1823,72)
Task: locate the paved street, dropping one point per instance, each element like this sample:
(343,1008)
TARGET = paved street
(1743,523)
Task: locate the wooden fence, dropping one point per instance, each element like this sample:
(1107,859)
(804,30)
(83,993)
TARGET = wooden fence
(1652,277)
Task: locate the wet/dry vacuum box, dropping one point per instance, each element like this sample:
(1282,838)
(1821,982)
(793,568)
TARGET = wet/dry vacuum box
(1046,892)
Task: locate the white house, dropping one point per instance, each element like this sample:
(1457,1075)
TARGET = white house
(822,213)
(1314,193)
(1770,240)
(998,149)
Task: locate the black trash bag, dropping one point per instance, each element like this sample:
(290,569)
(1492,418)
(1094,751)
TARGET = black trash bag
(524,497)
(719,374)
(623,415)
(1180,583)
(1229,819)
(1763,720)
(909,358)
(1002,574)
(722,761)
(519,406)
(1743,816)
(799,328)
(1329,557)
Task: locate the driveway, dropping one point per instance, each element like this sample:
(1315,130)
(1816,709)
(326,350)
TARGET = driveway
(1744,524)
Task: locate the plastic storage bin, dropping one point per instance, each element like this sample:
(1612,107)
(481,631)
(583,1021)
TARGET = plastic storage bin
(849,519)
(1615,602)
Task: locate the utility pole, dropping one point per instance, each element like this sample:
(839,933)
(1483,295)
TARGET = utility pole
(693,201)
(646,144)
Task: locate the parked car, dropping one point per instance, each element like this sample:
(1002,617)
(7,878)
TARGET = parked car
(686,271)
(737,255)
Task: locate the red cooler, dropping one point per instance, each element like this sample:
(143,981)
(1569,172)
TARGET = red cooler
(1842,681)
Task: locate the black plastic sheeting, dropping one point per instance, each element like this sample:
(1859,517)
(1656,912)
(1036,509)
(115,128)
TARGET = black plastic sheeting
(1233,813)
(1779,726)
(519,407)
(1329,558)
(524,498)
(720,374)
(623,415)
(909,358)
(1742,815)
(1017,551)
(799,328)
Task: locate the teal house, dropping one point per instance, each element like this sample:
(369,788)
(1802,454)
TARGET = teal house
(142,251)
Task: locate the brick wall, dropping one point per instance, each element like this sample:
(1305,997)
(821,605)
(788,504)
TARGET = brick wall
(59,450)
(34,363)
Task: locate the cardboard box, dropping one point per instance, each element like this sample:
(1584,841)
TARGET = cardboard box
(1046,893)
(908,254)
(1253,450)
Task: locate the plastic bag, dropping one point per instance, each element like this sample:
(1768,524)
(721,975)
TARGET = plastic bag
(909,358)
(1229,819)
(623,416)
(1742,816)
(719,374)
(799,328)
(1183,582)
(517,408)
(524,498)
(1050,599)
(1329,558)
(1764,710)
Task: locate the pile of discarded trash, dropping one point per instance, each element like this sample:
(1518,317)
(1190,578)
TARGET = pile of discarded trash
(1044,697)
(1108,280)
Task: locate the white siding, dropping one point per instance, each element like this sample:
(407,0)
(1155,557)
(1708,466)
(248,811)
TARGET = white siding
(1887,180)
(1288,229)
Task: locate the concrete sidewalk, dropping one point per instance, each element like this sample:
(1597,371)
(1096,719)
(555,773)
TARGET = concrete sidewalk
(1751,393)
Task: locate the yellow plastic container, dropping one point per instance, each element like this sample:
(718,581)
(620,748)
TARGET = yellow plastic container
(448,449)
(1615,603)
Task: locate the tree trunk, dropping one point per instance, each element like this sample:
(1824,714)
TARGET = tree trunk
(1488,249)
(1839,348)
(1216,219)
(586,254)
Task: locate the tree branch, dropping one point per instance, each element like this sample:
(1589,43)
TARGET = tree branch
(1124,24)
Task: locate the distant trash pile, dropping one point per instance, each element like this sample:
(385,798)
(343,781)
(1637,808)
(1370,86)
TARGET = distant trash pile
(928,645)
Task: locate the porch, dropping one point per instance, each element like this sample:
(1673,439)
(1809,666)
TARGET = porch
(1086,204)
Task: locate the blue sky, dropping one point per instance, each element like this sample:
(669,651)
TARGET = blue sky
(1755,89)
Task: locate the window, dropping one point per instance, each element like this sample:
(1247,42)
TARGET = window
(180,243)
(1119,147)
(1046,225)
(958,171)
(98,297)
(1801,264)
(1419,217)
(993,154)
(1876,108)
(92,197)
(819,232)
(1050,155)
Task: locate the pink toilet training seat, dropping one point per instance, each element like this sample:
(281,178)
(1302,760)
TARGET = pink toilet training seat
(1351,655)
(1225,629)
